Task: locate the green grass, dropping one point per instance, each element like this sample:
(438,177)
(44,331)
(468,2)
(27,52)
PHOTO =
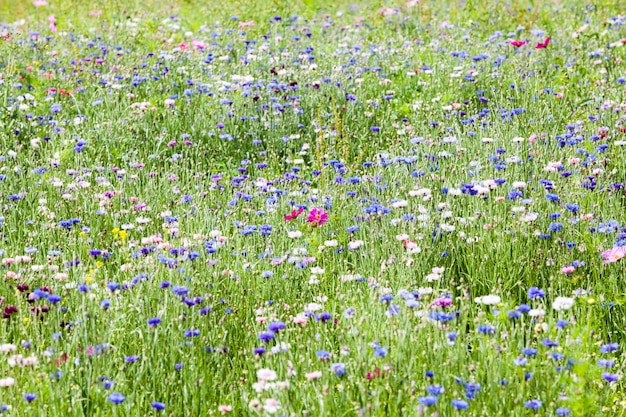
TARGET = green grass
(151,192)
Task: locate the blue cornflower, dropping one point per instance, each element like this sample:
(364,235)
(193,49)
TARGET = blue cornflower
(116,398)
(486,329)
(521,361)
(380,351)
(323,317)
(435,389)
(459,404)
(276,326)
(323,354)
(266,336)
(428,400)
(535,293)
(609,347)
(606,363)
(338,368)
(533,404)
(30,397)
(158,406)
(154,321)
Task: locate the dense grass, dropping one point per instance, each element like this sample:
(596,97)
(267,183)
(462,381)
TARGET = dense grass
(151,153)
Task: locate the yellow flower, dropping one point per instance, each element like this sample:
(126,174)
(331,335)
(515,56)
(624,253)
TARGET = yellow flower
(123,234)
(99,264)
(25,319)
(115,231)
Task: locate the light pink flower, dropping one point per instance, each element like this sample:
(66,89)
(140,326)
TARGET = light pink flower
(225,408)
(198,44)
(614,254)
(386,11)
(246,24)
(568,269)
(40,3)
(6,382)
(300,319)
(52,20)
(313,375)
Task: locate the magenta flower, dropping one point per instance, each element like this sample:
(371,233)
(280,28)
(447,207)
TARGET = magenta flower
(614,254)
(294,214)
(317,217)
(543,44)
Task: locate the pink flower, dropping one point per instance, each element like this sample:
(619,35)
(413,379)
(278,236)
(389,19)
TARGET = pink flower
(317,216)
(198,44)
(225,408)
(40,3)
(313,375)
(568,269)
(300,319)
(614,254)
(386,11)
(246,24)
(52,20)
(294,214)
(517,44)
(543,44)
(95,12)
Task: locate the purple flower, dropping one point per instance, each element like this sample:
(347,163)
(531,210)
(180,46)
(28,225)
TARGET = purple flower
(609,347)
(533,404)
(154,321)
(323,317)
(608,377)
(535,293)
(266,336)
(459,404)
(338,368)
(276,326)
(158,406)
(428,400)
(30,397)
(116,398)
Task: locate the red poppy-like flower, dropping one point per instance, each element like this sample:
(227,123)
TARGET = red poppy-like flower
(517,44)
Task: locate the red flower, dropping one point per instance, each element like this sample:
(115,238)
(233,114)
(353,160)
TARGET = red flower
(517,44)
(62,359)
(543,44)
(294,214)
(373,375)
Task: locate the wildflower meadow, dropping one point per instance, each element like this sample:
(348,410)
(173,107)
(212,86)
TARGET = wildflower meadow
(312,208)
